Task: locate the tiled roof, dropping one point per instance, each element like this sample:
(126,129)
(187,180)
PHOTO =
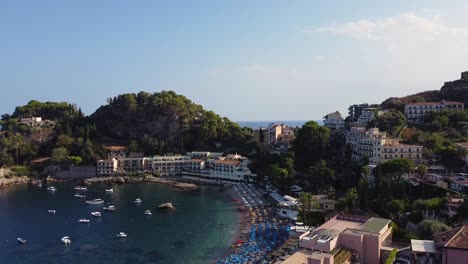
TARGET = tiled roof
(455,238)
(197,160)
(437,103)
(115,148)
(227,162)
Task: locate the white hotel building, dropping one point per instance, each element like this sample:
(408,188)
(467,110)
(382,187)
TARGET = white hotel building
(415,112)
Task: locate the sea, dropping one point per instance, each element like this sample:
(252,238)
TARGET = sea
(200,230)
(290,123)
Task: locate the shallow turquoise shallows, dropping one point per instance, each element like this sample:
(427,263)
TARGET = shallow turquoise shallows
(198,231)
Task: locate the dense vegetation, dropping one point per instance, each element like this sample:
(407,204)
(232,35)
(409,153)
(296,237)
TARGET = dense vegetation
(152,123)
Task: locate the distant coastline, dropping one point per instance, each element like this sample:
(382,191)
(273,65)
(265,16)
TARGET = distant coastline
(290,123)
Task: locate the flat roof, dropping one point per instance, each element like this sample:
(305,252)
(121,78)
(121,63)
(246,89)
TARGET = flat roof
(342,225)
(300,257)
(375,224)
(423,246)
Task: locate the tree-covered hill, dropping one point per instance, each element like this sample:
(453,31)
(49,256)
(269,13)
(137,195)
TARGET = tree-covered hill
(157,123)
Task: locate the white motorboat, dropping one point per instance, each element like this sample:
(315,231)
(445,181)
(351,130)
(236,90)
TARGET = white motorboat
(121,235)
(148,212)
(51,189)
(66,240)
(83,220)
(95,201)
(137,200)
(110,190)
(80,195)
(79,188)
(51,211)
(96,214)
(21,241)
(109,208)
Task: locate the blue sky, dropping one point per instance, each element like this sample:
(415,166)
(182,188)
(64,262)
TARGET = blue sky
(247,60)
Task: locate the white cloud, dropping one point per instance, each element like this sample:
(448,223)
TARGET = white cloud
(407,25)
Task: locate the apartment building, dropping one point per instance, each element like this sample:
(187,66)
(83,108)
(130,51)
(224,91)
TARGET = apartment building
(355,111)
(377,147)
(116,152)
(334,121)
(415,112)
(169,165)
(106,167)
(274,134)
(397,150)
(367,115)
(342,237)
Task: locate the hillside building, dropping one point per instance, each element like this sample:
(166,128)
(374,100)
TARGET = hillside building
(334,121)
(415,112)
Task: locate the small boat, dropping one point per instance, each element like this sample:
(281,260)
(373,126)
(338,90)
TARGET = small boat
(83,220)
(96,214)
(95,201)
(110,190)
(79,188)
(109,208)
(80,195)
(51,211)
(66,240)
(51,189)
(39,185)
(121,235)
(148,212)
(137,200)
(21,241)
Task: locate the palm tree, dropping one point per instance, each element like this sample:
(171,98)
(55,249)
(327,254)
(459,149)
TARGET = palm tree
(421,170)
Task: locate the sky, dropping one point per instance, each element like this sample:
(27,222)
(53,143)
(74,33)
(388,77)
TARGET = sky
(246,60)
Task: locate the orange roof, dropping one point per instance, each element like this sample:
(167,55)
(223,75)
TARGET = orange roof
(115,148)
(455,238)
(197,160)
(437,103)
(227,162)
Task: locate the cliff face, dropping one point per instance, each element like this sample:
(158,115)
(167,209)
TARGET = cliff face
(451,91)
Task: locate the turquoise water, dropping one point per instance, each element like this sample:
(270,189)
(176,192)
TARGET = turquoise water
(198,231)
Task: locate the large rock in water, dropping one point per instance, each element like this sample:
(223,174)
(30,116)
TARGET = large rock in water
(166,206)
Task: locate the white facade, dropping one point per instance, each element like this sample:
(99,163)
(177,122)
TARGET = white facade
(367,115)
(333,121)
(168,165)
(415,111)
(106,167)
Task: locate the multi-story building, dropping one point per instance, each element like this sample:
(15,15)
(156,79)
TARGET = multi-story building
(107,167)
(453,245)
(131,164)
(333,121)
(367,115)
(415,112)
(274,134)
(204,155)
(355,111)
(393,151)
(116,152)
(377,147)
(262,135)
(169,165)
(342,237)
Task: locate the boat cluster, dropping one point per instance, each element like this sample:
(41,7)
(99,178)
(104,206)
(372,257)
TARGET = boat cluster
(80,194)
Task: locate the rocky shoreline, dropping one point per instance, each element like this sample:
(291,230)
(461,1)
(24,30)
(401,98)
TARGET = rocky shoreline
(8,182)
(144,179)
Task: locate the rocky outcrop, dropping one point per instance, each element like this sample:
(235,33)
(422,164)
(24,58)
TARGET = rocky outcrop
(148,179)
(7,182)
(166,207)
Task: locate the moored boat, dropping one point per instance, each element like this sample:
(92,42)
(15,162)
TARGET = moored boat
(121,235)
(21,241)
(51,189)
(95,201)
(109,208)
(137,200)
(66,240)
(51,211)
(80,195)
(96,214)
(83,220)
(79,188)
(148,212)
(110,190)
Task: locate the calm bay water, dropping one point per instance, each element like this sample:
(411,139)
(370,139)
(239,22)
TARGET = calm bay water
(198,231)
